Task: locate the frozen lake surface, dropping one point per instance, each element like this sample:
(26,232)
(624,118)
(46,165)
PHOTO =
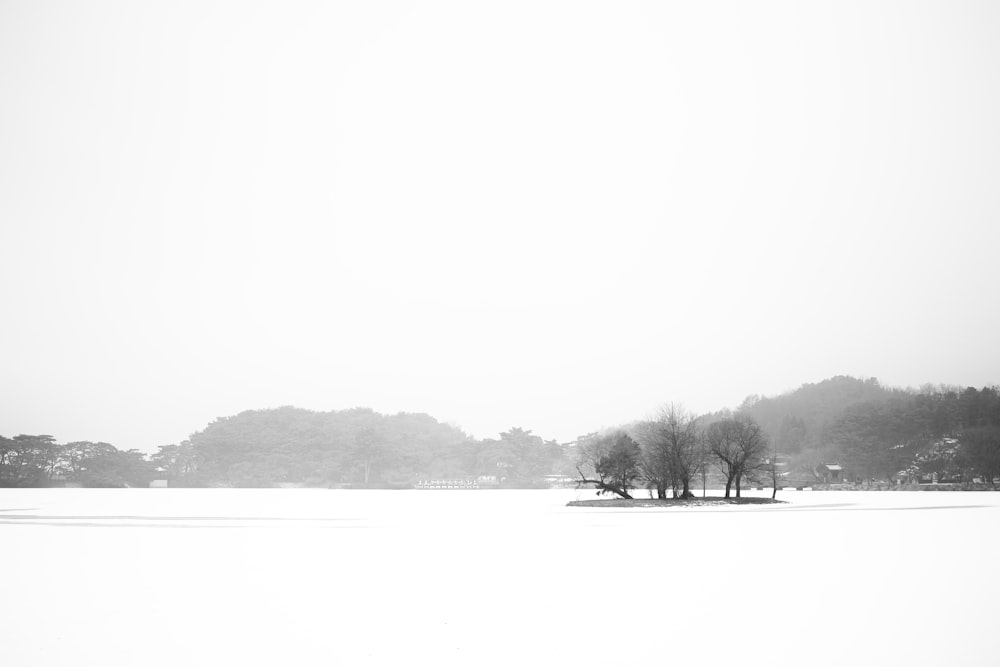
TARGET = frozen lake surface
(315,577)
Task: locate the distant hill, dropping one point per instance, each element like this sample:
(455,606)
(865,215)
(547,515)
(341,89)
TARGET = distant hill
(357,447)
(797,419)
(875,431)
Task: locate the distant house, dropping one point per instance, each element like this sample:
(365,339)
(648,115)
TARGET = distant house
(829,472)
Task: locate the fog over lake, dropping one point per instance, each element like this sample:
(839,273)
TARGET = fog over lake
(267,264)
(309,577)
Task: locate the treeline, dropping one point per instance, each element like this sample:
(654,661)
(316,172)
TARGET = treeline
(291,446)
(37,460)
(874,432)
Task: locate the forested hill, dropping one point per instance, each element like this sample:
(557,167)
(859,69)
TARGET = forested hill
(798,419)
(356,447)
(875,431)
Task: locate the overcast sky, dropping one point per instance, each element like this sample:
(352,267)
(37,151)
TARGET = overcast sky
(554,215)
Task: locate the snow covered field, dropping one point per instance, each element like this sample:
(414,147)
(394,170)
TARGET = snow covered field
(315,577)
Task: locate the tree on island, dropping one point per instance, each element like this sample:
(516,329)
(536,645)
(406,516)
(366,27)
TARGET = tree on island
(739,446)
(615,461)
(673,450)
(655,461)
(720,437)
(752,445)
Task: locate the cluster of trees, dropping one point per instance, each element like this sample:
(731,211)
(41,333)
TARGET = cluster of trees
(740,448)
(672,450)
(37,460)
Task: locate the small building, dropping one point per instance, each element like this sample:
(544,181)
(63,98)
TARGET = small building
(158,484)
(829,472)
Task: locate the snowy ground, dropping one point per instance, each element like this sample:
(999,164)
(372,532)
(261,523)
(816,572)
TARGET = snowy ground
(314,577)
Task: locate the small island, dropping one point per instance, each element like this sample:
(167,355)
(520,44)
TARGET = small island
(673,502)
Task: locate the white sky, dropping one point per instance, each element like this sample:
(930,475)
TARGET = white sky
(551,215)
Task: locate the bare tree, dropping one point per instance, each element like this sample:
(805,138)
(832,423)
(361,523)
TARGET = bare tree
(614,460)
(721,438)
(673,455)
(738,445)
(751,443)
(654,462)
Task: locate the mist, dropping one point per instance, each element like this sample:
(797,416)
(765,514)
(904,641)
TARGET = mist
(553,215)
